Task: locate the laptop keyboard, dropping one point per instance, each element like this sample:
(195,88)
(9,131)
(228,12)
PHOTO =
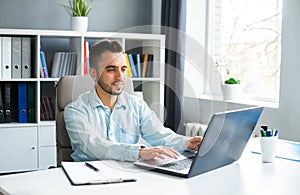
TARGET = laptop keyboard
(178,165)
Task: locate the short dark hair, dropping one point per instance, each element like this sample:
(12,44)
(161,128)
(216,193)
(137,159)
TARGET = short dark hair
(102,46)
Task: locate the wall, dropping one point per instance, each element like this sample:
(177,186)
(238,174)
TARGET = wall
(287,117)
(107,15)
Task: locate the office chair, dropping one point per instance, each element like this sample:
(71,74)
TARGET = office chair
(68,89)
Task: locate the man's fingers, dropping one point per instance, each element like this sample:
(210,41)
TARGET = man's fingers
(170,152)
(159,152)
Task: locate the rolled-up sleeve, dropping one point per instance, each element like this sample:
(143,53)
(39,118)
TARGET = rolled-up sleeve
(153,131)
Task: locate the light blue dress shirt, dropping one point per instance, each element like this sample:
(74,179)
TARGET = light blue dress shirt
(96,133)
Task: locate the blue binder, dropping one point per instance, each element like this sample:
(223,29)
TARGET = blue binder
(22,102)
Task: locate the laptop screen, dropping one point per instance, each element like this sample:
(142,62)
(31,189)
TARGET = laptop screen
(225,139)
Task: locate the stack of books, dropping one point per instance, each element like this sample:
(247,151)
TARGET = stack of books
(47,108)
(139,65)
(64,63)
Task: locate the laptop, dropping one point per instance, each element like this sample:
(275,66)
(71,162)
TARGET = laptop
(223,143)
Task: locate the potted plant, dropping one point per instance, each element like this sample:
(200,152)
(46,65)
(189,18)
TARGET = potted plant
(231,88)
(79,10)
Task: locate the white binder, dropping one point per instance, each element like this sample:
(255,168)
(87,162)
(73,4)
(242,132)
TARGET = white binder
(6,57)
(16,57)
(1,58)
(26,58)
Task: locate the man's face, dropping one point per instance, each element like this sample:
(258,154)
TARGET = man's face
(112,73)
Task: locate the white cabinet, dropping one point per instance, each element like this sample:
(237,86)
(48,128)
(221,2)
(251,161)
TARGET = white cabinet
(18,148)
(32,145)
(47,145)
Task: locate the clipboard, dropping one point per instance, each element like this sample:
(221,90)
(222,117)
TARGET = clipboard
(109,172)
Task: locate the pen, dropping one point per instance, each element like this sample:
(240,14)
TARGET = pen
(263,133)
(264,127)
(108,181)
(91,166)
(269,133)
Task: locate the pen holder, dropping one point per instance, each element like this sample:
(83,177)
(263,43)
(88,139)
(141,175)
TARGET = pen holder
(268,148)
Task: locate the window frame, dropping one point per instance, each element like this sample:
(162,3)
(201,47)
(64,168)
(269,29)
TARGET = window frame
(212,75)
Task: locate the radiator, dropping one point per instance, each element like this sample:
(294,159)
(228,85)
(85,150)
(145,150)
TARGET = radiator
(194,129)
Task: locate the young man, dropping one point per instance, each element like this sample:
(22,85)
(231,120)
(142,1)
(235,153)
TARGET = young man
(108,123)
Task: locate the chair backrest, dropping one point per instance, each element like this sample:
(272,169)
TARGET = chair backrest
(68,89)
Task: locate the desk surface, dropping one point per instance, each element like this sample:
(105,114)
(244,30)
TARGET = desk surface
(246,176)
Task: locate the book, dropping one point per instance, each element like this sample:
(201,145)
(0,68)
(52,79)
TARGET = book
(43,65)
(132,65)
(49,106)
(145,64)
(129,72)
(86,58)
(56,64)
(42,71)
(73,63)
(64,63)
(44,109)
(149,71)
(137,62)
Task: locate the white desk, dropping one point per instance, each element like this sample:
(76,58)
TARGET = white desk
(246,176)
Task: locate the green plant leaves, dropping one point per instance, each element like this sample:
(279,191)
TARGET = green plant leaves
(232,81)
(78,7)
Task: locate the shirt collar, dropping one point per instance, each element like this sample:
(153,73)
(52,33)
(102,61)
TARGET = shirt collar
(95,101)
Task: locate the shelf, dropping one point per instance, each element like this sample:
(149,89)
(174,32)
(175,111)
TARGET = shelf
(43,154)
(49,79)
(45,123)
(145,79)
(9,125)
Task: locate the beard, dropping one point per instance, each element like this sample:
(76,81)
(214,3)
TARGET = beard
(108,89)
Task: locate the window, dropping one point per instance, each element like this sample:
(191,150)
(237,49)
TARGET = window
(244,37)
(247,42)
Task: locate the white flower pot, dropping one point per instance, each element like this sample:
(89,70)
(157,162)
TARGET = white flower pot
(79,23)
(231,91)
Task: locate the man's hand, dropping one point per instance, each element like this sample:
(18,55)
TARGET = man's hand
(193,143)
(159,152)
